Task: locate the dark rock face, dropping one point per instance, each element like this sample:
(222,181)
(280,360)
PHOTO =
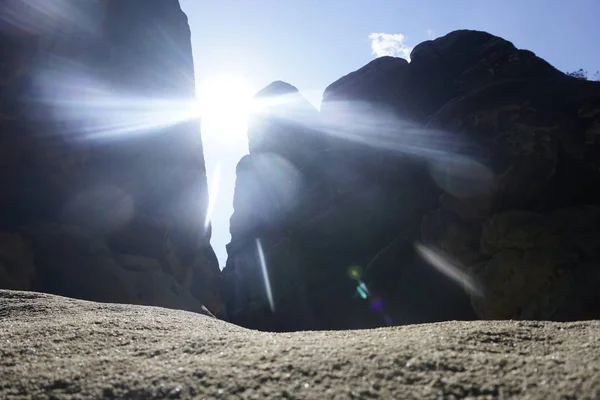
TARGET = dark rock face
(102,174)
(476,160)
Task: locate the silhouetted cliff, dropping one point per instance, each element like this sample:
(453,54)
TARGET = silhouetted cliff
(102,180)
(476,160)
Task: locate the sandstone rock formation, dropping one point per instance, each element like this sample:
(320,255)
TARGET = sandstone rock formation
(59,348)
(102,177)
(482,154)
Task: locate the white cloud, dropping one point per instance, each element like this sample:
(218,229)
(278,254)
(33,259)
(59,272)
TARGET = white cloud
(430,33)
(390,44)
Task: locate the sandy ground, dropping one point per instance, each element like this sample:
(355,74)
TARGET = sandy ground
(53,348)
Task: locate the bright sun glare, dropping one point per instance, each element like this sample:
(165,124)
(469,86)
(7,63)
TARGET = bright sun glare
(225,103)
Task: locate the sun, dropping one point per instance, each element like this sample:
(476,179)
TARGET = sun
(225,103)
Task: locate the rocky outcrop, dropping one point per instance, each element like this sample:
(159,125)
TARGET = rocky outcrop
(541,265)
(59,348)
(536,231)
(102,177)
(450,187)
(271,182)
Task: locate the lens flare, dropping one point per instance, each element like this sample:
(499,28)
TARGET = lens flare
(105,208)
(263,266)
(44,18)
(377,305)
(354,272)
(443,264)
(456,164)
(92,110)
(362,291)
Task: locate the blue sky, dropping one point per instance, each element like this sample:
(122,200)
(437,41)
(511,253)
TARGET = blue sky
(311,43)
